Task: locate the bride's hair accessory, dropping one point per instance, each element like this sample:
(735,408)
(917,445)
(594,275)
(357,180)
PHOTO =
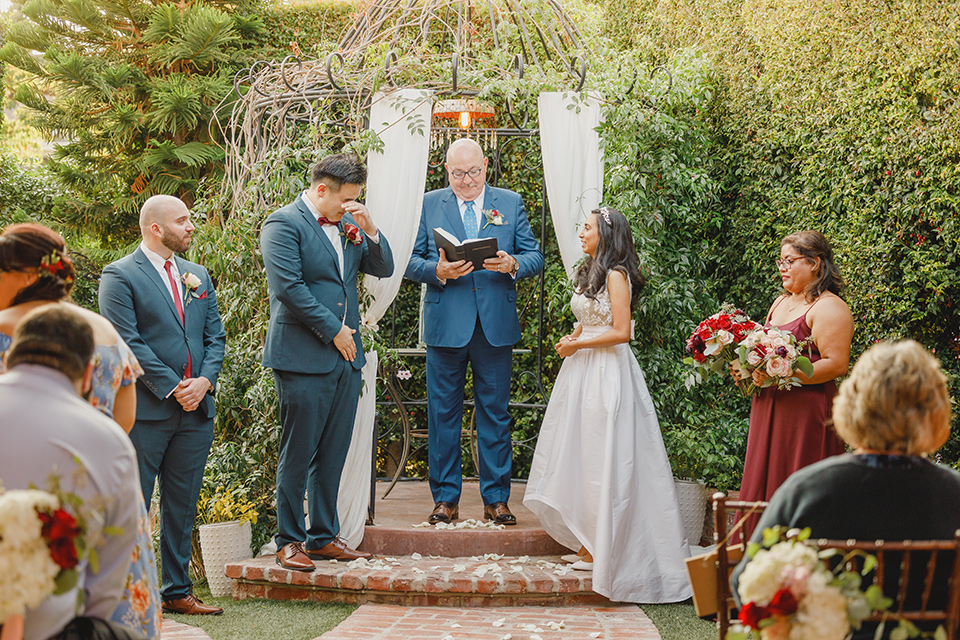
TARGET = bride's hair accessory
(605,212)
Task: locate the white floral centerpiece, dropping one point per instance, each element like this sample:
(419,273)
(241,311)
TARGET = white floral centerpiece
(40,544)
(789,592)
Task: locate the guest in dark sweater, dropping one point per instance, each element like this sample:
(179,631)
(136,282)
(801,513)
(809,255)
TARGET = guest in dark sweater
(893,410)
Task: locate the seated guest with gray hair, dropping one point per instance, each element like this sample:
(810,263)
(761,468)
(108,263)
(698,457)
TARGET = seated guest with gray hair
(46,430)
(894,411)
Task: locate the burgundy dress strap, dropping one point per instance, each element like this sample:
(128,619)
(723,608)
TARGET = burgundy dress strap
(776,303)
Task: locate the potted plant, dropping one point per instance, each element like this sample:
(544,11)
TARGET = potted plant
(705,455)
(225,535)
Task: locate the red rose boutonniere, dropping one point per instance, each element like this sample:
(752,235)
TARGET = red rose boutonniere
(353,233)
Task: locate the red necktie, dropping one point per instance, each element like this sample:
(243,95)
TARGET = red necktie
(177,304)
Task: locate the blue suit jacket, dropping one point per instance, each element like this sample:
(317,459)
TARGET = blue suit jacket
(309,301)
(450,310)
(135,299)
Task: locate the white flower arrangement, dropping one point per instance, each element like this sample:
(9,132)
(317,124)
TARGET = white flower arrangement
(28,572)
(789,593)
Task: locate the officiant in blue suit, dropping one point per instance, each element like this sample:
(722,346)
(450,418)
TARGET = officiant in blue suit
(313,249)
(164,307)
(471,317)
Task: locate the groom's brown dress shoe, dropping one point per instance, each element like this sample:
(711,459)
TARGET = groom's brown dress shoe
(190,605)
(499,512)
(336,550)
(444,512)
(291,556)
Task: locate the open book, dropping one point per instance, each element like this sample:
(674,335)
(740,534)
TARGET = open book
(475,251)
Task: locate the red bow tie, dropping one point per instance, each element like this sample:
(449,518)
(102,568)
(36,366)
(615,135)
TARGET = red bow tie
(323,221)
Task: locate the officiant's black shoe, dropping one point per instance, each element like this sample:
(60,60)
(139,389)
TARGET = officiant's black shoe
(499,512)
(444,512)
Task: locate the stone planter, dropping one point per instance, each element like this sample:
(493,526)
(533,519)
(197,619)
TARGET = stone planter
(220,544)
(692,496)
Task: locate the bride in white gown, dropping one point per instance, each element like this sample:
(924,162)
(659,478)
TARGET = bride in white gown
(600,480)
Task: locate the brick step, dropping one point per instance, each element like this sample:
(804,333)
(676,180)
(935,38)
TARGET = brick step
(414,580)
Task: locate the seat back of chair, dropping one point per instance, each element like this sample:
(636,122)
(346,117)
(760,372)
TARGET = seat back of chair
(922,577)
(916,567)
(722,534)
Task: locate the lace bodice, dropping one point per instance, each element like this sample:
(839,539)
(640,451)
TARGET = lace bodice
(593,313)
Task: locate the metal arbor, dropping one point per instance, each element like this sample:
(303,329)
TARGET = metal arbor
(455,49)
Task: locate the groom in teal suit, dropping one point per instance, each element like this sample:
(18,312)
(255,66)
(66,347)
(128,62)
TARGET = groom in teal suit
(313,249)
(165,309)
(471,317)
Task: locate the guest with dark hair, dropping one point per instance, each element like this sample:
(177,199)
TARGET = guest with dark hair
(600,480)
(46,428)
(790,428)
(893,410)
(36,273)
(313,250)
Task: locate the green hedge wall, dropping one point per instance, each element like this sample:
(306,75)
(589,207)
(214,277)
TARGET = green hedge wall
(841,117)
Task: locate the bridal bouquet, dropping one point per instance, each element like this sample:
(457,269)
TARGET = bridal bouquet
(40,546)
(777,353)
(788,592)
(712,345)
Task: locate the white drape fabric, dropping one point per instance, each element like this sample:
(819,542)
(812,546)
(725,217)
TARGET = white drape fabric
(572,165)
(396,178)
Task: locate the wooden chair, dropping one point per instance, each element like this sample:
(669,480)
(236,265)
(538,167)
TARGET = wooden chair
(722,509)
(911,564)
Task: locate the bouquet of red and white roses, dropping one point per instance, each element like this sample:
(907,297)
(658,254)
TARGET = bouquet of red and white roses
(712,345)
(40,547)
(777,353)
(788,592)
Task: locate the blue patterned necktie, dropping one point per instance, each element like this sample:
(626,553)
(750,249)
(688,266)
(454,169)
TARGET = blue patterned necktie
(470,220)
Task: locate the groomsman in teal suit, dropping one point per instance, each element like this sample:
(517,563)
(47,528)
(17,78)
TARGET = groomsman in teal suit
(165,308)
(471,317)
(313,249)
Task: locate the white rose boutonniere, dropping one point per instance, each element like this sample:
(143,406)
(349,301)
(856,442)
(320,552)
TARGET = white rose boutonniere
(493,217)
(192,282)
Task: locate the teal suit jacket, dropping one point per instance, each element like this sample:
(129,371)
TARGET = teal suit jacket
(309,300)
(135,299)
(450,310)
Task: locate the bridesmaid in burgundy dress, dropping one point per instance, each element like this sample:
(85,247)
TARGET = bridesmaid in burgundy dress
(789,429)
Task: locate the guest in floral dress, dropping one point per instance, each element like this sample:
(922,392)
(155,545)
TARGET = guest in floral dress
(35,271)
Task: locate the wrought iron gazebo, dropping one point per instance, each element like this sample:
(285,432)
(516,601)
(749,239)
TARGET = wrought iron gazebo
(475,55)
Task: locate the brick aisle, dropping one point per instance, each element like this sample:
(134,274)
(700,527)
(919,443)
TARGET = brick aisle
(172,630)
(391,622)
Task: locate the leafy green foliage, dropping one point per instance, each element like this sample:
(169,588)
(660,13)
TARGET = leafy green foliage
(136,85)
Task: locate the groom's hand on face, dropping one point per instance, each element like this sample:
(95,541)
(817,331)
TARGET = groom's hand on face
(452,270)
(344,343)
(361,216)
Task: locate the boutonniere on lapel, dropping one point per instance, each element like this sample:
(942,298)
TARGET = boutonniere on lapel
(352,232)
(191,282)
(493,217)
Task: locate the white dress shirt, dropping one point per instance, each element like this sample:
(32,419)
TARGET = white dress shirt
(157,261)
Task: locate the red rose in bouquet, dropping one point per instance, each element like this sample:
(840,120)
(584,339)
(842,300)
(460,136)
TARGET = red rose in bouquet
(712,345)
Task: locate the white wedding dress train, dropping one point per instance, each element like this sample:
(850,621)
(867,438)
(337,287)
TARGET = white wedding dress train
(600,474)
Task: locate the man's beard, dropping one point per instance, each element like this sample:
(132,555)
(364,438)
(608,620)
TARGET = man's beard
(177,245)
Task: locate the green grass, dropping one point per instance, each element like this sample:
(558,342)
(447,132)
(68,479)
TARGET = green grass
(266,619)
(679,622)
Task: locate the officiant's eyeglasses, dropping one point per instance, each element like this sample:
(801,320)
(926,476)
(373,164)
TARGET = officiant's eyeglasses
(473,173)
(786,263)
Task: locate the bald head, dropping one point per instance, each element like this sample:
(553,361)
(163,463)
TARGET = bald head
(465,149)
(165,225)
(465,157)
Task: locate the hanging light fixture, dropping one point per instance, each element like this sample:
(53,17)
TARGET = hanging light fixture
(465,113)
